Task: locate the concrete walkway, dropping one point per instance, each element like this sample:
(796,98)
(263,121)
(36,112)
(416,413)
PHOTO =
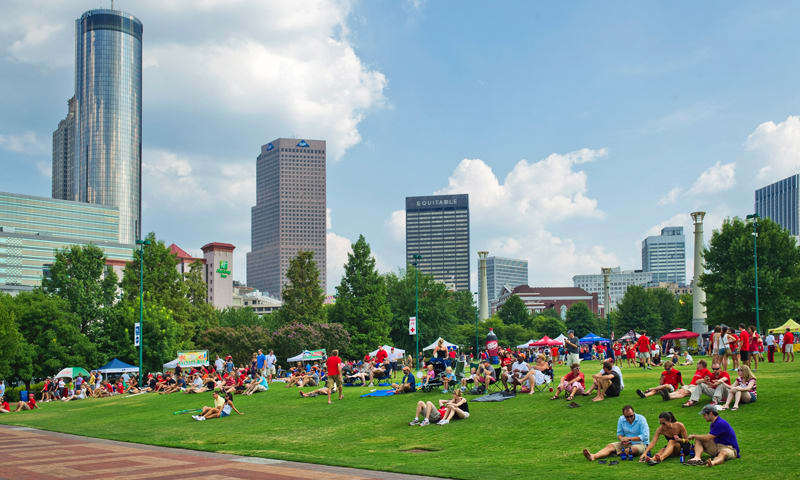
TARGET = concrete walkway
(36,454)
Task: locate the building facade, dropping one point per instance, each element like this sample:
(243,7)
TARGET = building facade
(290,212)
(218,270)
(437,228)
(106,161)
(33,228)
(538,299)
(63,174)
(780,202)
(665,256)
(619,281)
(261,304)
(504,272)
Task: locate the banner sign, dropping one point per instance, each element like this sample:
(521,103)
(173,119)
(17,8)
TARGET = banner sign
(192,358)
(412,325)
(137,334)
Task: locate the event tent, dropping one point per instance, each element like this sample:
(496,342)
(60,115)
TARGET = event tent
(592,338)
(388,349)
(678,334)
(546,342)
(308,355)
(117,366)
(433,345)
(790,324)
(526,344)
(560,338)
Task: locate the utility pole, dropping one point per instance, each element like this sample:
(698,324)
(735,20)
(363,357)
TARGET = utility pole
(755,218)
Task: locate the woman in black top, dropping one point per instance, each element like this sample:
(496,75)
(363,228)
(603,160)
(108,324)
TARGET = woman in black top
(440,351)
(455,409)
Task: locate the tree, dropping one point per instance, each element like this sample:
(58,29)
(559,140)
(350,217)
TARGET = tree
(683,319)
(580,319)
(240,343)
(637,311)
(547,325)
(293,338)
(361,304)
(302,296)
(514,311)
(239,318)
(15,353)
(730,277)
(79,276)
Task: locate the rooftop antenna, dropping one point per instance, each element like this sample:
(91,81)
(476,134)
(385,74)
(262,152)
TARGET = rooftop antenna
(112,4)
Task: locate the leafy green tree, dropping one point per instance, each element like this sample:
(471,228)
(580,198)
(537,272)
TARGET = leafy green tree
(547,325)
(580,319)
(637,311)
(240,343)
(730,277)
(514,311)
(683,319)
(79,275)
(302,296)
(15,353)
(361,304)
(666,306)
(293,338)
(239,318)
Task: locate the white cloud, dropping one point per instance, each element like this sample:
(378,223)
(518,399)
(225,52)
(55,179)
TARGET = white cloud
(396,224)
(670,197)
(717,178)
(26,142)
(336,256)
(776,148)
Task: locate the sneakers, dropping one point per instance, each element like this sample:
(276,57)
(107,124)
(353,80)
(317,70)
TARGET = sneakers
(198,418)
(424,422)
(443,422)
(466,415)
(664,394)
(640,393)
(414,422)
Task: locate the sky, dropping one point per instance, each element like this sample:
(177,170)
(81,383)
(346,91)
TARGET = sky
(577,130)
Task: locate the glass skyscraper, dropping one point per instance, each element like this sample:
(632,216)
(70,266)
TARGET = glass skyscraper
(504,271)
(780,202)
(105,165)
(665,256)
(437,227)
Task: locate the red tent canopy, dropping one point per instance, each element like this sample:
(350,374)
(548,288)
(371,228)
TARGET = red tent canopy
(679,333)
(546,342)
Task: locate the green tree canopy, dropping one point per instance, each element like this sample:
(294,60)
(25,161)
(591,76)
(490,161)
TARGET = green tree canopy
(547,325)
(514,311)
(638,311)
(580,319)
(15,353)
(302,296)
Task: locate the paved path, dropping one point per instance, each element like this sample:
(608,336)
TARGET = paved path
(35,454)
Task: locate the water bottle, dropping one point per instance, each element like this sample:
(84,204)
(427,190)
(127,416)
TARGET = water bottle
(623,455)
(631,455)
(682,458)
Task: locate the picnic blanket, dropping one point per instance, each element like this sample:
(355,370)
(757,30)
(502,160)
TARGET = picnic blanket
(492,397)
(379,393)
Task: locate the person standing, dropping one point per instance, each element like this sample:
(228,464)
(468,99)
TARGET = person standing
(787,346)
(271,360)
(643,347)
(219,365)
(573,348)
(261,360)
(770,341)
(334,366)
(744,344)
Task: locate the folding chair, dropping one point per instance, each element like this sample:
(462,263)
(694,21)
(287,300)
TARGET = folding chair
(547,386)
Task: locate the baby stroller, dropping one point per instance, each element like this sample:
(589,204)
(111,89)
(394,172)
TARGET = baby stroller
(436,382)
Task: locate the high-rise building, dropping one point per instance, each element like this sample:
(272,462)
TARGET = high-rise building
(780,202)
(289,215)
(106,156)
(502,272)
(437,228)
(665,256)
(64,156)
(619,281)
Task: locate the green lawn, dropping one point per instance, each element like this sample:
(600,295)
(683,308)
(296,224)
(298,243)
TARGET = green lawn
(524,437)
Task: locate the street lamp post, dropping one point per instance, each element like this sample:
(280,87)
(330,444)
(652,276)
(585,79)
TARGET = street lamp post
(142,244)
(416,257)
(755,218)
(476,329)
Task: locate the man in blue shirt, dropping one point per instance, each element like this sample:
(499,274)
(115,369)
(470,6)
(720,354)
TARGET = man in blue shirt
(720,442)
(407,384)
(260,362)
(633,435)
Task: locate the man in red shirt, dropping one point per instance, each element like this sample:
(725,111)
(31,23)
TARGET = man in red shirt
(30,405)
(670,381)
(334,366)
(702,372)
(4,407)
(643,347)
(380,355)
(744,342)
(713,386)
(788,345)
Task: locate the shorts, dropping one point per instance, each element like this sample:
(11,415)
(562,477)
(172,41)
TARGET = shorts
(637,448)
(223,414)
(644,355)
(569,386)
(612,391)
(573,358)
(483,380)
(722,351)
(787,348)
(715,449)
(271,370)
(745,355)
(670,387)
(436,415)
(261,388)
(753,398)
(335,380)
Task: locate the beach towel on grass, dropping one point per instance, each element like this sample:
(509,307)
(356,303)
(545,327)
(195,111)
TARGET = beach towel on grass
(379,393)
(492,397)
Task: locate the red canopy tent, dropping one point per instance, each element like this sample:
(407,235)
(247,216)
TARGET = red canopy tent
(546,342)
(679,333)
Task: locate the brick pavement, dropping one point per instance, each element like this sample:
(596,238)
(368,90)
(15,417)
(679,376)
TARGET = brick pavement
(36,454)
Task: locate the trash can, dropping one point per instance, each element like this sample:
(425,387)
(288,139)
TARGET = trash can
(23,395)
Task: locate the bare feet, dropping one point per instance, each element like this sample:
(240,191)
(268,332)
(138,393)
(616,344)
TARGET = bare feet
(598,399)
(588,455)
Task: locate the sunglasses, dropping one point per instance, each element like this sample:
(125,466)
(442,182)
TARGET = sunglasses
(715,369)
(630,416)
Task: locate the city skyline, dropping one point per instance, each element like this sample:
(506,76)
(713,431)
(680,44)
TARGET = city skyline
(563,176)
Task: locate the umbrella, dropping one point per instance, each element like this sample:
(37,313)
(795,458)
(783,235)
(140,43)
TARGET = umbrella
(72,372)
(679,333)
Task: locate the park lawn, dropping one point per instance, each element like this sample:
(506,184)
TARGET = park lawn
(524,437)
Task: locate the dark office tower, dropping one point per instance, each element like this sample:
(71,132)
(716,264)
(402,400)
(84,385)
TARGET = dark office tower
(108,114)
(437,228)
(780,202)
(289,215)
(64,157)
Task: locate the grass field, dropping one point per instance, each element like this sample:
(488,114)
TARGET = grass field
(524,437)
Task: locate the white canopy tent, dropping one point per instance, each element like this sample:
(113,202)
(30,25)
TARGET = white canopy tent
(171,365)
(308,355)
(526,344)
(388,350)
(560,338)
(433,345)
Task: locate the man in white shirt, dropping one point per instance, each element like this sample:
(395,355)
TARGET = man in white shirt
(271,360)
(687,359)
(219,365)
(770,341)
(518,370)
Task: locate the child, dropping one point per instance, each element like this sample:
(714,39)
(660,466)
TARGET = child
(430,375)
(449,377)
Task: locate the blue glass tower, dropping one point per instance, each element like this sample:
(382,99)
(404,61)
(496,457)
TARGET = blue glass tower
(780,202)
(665,256)
(108,115)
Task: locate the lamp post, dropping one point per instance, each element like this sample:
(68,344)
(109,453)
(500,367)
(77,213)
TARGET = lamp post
(755,218)
(476,329)
(416,258)
(142,244)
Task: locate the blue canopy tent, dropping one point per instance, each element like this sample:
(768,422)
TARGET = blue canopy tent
(117,366)
(592,338)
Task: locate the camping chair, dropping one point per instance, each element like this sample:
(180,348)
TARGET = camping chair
(436,382)
(547,386)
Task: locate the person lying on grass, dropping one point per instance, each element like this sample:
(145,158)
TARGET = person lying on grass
(572,382)
(29,405)
(675,434)
(433,413)
(259,384)
(669,381)
(713,386)
(632,435)
(315,393)
(218,412)
(700,373)
(408,383)
(455,409)
(743,391)
(720,442)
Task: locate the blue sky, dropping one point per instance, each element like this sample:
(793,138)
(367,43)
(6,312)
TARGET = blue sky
(576,130)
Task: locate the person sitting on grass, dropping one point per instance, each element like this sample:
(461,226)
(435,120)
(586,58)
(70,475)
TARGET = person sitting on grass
(720,442)
(360,374)
(311,379)
(608,383)
(615,368)
(687,359)
(433,414)
(29,405)
(633,434)
(4,406)
(572,382)
(219,402)
(669,381)
(407,384)
(455,409)
(714,386)
(195,385)
(79,395)
(223,412)
(259,384)
(174,386)
(700,373)
(449,378)
(744,390)
(518,370)
(675,434)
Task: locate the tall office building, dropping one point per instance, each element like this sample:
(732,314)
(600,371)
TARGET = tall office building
(437,228)
(665,256)
(780,202)
(289,215)
(619,281)
(502,272)
(105,163)
(63,156)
